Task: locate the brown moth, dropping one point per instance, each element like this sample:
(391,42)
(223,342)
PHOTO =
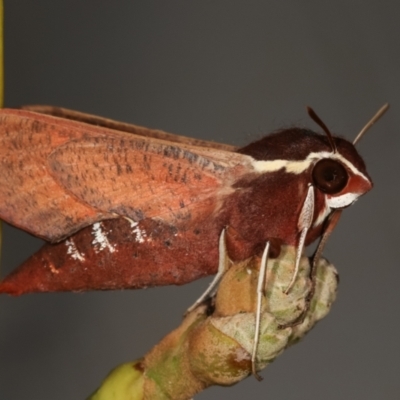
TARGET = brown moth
(115,194)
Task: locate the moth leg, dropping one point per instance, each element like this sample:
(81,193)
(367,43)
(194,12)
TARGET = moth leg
(222,265)
(327,230)
(260,294)
(304,224)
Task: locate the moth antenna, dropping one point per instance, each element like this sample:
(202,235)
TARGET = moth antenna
(375,118)
(319,122)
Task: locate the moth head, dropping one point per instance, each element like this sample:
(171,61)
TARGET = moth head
(330,163)
(341,175)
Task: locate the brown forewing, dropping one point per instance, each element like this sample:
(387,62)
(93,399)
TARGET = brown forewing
(59,176)
(125,127)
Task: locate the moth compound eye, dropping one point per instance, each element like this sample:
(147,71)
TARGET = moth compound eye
(330,176)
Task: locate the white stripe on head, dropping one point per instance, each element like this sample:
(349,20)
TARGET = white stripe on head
(297,167)
(342,201)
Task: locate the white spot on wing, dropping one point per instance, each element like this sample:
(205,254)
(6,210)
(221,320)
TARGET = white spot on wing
(73,251)
(100,241)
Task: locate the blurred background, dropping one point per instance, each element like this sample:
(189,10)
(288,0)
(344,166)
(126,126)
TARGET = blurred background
(228,71)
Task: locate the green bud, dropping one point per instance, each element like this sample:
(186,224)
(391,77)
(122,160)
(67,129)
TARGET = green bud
(215,348)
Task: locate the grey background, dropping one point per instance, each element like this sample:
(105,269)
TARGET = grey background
(227,71)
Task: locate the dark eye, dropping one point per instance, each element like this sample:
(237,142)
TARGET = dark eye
(329,176)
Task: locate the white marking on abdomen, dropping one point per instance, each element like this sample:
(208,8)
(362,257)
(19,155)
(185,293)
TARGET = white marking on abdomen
(100,239)
(140,233)
(73,251)
(342,201)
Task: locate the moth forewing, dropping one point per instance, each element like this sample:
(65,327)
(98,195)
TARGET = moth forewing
(78,116)
(70,174)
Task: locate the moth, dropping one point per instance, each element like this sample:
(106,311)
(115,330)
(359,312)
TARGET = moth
(157,203)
